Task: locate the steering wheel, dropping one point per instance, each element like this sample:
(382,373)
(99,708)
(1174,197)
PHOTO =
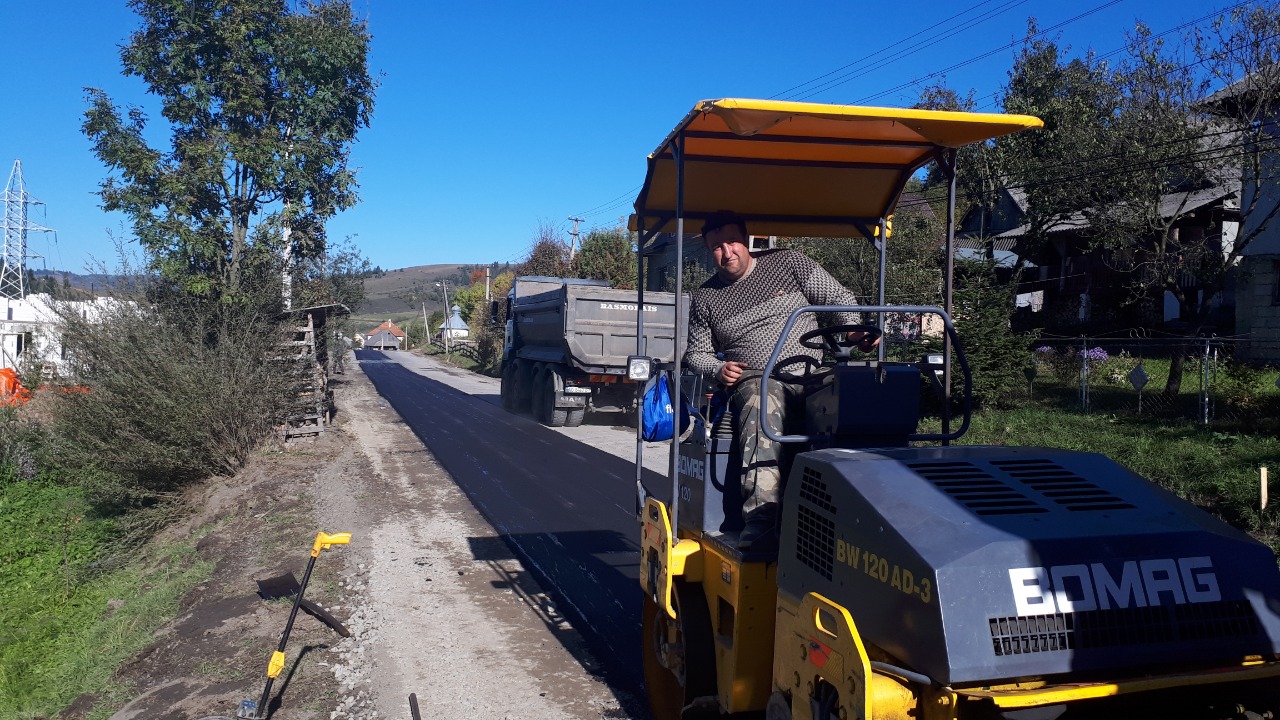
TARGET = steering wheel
(824,338)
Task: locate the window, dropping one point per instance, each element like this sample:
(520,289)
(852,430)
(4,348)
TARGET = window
(1275,282)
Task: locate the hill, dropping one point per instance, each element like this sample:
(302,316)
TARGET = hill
(398,294)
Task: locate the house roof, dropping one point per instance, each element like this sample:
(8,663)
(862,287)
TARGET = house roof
(1171,204)
(455,321)
(389,327)
(383,337)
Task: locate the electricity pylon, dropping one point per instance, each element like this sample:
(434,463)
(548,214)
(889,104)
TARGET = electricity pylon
(13,275)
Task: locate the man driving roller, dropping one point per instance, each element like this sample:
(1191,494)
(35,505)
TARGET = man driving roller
(739,314)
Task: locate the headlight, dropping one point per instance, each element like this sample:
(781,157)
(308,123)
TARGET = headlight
(639,368)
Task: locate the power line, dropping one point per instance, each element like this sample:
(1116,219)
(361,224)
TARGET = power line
(889,47)
(989,53)
(1190,23)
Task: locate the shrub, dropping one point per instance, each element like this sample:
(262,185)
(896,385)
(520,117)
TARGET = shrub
(996,354)
(170,389)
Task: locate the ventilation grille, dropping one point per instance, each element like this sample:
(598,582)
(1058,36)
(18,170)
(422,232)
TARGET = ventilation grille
(977,489)
(815,533)
(1061,486)
(1094,629)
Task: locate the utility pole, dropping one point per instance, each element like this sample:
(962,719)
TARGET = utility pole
(573,245)
(14,271)
(426,329)
(486,285)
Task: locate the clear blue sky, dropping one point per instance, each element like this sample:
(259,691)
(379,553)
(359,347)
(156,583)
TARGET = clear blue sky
(494,118)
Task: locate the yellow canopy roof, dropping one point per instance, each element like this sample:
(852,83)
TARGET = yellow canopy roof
(802,169)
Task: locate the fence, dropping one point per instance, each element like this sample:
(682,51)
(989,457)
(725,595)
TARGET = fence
(1130,375)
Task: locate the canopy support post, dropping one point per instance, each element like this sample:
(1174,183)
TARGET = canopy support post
(640,349)
(947,162)
(677,149)
(883,247)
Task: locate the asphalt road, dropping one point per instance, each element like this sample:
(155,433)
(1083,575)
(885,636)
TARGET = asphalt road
(564,506)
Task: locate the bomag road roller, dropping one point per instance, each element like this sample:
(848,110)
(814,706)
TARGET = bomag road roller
(913,577)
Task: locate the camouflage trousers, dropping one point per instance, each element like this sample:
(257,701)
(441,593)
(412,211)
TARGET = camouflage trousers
(761,467)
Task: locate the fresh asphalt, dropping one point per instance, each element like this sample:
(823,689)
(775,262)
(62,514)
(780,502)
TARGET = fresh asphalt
(563,499)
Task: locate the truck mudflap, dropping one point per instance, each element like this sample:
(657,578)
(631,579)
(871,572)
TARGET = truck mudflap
(664,556)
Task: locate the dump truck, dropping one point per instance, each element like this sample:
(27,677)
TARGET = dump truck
(567,342)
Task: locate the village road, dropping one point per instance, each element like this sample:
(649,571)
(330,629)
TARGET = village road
(562,500)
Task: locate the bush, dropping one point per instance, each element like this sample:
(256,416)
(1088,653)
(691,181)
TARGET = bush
(997,355)
(160,391)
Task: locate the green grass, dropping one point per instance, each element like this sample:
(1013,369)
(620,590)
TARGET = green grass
(59,634)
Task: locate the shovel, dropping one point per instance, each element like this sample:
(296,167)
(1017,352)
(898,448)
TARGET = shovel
(259,710)
(286,586)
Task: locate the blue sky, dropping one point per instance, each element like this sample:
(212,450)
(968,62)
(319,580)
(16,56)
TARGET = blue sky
(494,118)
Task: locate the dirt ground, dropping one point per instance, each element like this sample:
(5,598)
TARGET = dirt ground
(434,605)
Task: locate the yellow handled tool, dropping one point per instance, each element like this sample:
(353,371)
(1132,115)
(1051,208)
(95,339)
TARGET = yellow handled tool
(274,667)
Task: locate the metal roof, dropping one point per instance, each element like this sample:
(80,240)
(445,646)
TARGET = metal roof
(801,169)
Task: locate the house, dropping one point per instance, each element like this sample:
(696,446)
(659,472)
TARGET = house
(29,329)
(1068,284)
(382,340)
(1257,319)
(454,328)
(387,336)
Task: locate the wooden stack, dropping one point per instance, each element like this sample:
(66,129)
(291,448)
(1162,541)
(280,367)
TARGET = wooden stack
(308,414)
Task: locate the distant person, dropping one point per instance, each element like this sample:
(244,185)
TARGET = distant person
(735,320)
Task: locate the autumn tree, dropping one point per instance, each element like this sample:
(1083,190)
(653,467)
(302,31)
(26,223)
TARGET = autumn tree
(263,99)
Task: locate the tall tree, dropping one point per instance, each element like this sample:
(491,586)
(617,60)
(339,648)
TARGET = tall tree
(1078,100)
(262,103)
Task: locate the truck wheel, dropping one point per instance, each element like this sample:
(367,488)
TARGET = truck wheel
(678,656)
(521,387)
(549,414)
(509,387)
(575,417)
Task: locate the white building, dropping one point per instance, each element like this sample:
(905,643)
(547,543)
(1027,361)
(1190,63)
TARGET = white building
(29,329)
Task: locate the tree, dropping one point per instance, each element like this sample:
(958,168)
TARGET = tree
(913,261)
(607,255)
(548,256)
(263,103)
(996,354)
(1078,100)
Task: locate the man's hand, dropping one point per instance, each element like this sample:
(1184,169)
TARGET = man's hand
(731,372)
(864,341)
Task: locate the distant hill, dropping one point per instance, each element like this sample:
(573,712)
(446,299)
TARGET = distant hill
(390,294)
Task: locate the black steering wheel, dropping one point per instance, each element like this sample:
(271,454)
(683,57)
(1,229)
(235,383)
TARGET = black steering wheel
(824,338)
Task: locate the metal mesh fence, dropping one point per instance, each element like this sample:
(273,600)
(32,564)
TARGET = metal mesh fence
(1221,382)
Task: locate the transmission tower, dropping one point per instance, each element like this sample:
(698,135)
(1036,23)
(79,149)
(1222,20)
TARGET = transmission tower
(13,275)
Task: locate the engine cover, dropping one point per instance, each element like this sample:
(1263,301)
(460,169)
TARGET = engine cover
(981,564)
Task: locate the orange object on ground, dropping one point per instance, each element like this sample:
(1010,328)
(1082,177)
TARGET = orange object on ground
(12,392)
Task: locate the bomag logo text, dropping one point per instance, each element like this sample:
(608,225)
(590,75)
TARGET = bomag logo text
(626,306)
(693,467)
(1095,586)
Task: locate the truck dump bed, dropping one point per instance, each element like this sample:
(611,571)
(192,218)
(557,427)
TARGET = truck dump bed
(588,324)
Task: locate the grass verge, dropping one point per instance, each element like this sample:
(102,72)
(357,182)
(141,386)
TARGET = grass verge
(67,624)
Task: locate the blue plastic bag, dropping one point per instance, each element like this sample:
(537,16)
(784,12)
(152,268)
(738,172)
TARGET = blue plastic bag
(658,413)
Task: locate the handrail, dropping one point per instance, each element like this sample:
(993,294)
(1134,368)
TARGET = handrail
(921,309)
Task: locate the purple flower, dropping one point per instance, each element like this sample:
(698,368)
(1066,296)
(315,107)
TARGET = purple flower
(1097,354)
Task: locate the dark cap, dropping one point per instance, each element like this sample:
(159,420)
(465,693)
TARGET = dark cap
(723,218)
